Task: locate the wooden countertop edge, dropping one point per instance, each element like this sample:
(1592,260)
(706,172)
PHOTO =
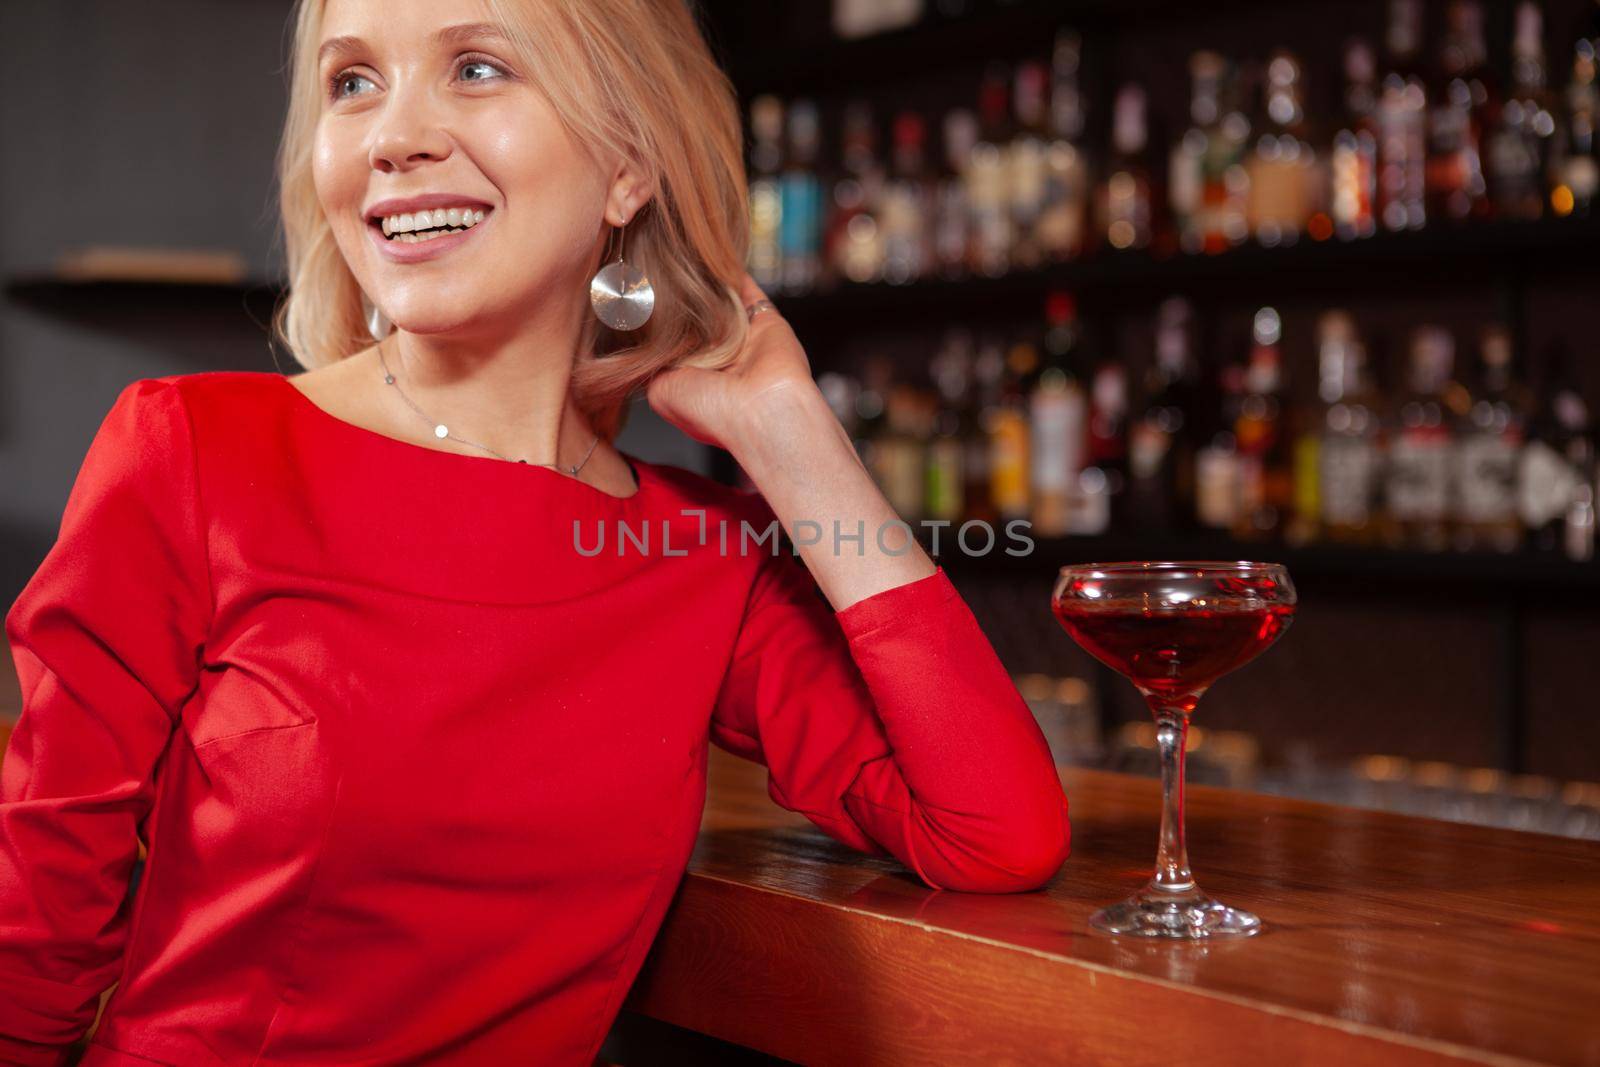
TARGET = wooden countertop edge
(708,905)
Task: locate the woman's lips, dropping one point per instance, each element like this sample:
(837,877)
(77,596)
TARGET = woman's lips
(416,251)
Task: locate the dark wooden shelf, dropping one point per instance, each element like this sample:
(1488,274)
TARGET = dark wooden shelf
(1501,577)
(45,286)
(1443,256)
(117,302)
(1447,258)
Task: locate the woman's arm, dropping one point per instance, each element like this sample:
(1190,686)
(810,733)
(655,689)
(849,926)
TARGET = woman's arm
(806,468)
(894,727)
(107,637)
(882,712)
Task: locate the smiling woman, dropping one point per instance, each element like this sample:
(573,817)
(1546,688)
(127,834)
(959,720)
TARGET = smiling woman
(420,777)
(558,121)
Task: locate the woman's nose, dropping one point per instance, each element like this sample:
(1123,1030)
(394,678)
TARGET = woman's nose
(407,134)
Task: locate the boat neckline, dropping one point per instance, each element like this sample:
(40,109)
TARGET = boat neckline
(639,467)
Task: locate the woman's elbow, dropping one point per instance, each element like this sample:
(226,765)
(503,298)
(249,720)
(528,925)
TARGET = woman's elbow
(1027,861)
(1035,866)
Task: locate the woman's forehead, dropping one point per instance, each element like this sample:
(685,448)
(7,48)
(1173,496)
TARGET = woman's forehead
(439,23)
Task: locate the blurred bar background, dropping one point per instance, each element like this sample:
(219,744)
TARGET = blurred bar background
(1308,282)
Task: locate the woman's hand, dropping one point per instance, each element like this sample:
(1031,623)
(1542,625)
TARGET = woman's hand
(716,407)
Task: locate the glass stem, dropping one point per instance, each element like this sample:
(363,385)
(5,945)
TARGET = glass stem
(1172,857)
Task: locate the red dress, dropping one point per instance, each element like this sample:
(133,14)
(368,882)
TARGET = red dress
(419,771)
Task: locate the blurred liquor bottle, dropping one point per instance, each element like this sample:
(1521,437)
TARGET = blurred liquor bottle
(946,481)
(801,199)
(1186,162)
(1026,163)
(1353,161)
(1207,182)
(766,203)
(853,242)
(1161,440)
(902,449)
(953,233)
(1009,454)
(872,409)
(1575,154)
(1125,195)
(909,200)
(1463,104)
(1102,487)
(1063,215)
(989,369)
(1218,475)
(1349,455)
(1402,122)
(1266,486)
(988,179)
(1556,471)
(1284,179)
(1058,411)
(1422,443)
(1519,146)
(1492,436)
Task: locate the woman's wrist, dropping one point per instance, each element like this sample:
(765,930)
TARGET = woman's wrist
(786,429)
(805,466)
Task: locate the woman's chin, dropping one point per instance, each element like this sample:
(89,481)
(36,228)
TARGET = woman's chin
(478,325)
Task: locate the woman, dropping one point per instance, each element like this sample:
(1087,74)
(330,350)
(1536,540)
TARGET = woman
(419,769)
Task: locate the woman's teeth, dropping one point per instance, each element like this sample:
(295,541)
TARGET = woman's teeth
(436,223)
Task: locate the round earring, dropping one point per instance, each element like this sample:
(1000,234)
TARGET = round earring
(620,293)
(378,324)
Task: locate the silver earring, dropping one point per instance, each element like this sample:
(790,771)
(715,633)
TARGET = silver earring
(378,324)
(620,293)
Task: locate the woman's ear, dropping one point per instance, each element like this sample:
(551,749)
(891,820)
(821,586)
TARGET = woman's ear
(631,188)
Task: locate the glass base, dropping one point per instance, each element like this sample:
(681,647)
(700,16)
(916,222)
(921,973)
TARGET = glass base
(1188,916)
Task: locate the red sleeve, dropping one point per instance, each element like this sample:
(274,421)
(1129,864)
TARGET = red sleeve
(106,637)
(894,727)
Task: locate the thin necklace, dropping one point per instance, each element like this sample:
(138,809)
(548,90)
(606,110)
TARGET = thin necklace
(441,430)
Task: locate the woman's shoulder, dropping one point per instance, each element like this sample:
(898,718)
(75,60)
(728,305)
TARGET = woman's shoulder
(207,389)
(224,402)
(225,421)
(167,411)
(226,397)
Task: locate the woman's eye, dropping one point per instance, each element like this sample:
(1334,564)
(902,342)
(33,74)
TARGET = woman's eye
(340,80)
(481,64)
(475,70)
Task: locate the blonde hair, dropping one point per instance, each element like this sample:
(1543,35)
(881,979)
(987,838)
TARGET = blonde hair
(629,78)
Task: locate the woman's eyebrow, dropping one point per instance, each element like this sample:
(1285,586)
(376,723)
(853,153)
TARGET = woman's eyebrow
(450,35)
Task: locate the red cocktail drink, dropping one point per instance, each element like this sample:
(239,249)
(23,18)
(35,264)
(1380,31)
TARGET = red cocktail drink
(1173,629)
(1174,652)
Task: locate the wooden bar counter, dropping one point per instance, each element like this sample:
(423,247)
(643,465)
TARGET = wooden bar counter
(1387,940)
